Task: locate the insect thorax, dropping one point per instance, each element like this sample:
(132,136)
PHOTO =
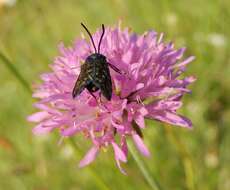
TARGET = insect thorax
(96,58)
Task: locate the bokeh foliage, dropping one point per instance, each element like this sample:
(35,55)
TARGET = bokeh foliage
(181,159)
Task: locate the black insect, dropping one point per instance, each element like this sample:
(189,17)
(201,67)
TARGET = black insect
(95,73)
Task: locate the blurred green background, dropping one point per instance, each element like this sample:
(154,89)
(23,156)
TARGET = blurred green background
(30,31)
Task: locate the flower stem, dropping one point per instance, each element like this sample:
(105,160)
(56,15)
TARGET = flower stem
(101,184)
(150,179)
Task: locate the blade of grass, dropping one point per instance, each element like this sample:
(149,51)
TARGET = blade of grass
(99,181)
(150,179)
(15,72)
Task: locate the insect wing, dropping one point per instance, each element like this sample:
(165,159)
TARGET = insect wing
(82,81)
(103,80)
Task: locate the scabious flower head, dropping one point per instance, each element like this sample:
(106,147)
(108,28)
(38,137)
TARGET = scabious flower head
(152,87)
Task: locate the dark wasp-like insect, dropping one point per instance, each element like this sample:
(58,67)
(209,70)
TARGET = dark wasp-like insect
(94,74)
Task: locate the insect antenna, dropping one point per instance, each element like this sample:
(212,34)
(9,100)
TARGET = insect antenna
(103,32)
(91,38)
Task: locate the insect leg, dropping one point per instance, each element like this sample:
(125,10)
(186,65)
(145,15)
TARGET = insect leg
(93,95)
(116,69)
(100,101)
(100,98)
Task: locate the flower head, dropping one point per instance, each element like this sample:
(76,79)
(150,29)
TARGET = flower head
(150,88)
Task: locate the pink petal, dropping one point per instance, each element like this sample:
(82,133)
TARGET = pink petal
(120,168)
(127,57)
(124,146)
(70,131)
(165,105)
(140,145)
(171,118)
(116,125)
(161,80)
(140,86)
(40,94)
(119,154)
(89,157)
(47,108)
(140,120)
(51,123)
(190,79)
(185,62)
(40,130)
(37,117)
(55,97)
(143,111)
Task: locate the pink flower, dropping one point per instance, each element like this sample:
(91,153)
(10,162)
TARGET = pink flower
(150,88)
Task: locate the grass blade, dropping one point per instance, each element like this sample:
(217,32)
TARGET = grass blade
(150,179)
(15,72)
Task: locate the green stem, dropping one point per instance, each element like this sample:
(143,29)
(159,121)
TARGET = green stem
(99,181)
(150,179)
(15,72)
